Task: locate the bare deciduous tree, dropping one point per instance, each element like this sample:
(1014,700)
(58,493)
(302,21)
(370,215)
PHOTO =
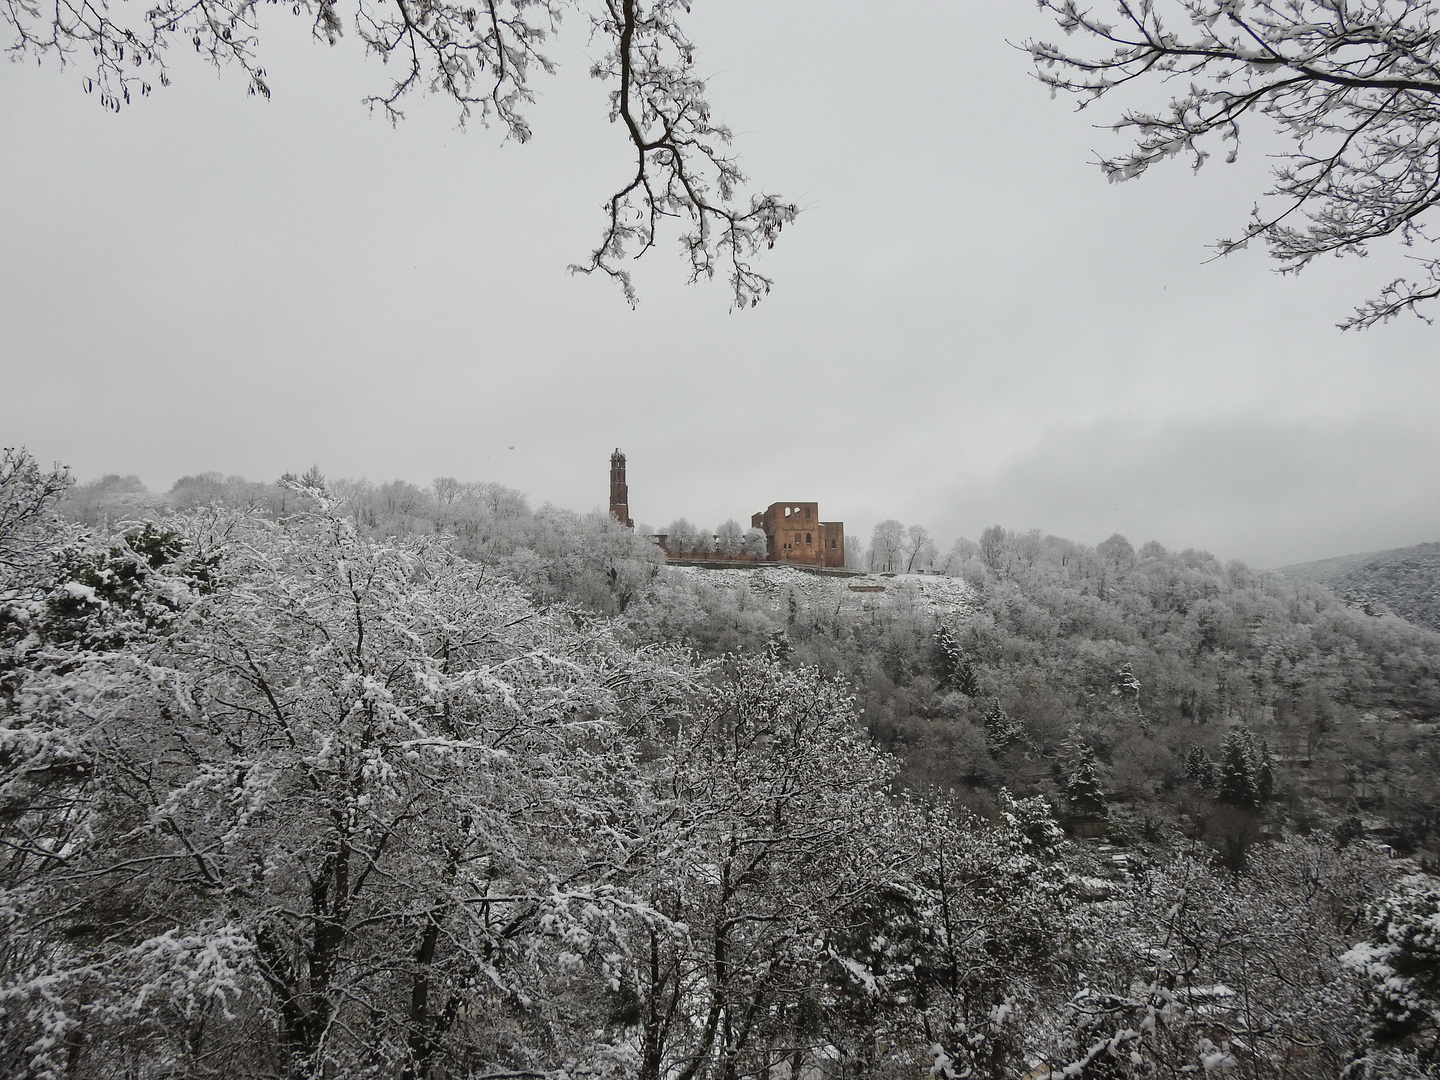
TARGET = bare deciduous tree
(1352,84)
(919,549)
(483,57)
(887,545)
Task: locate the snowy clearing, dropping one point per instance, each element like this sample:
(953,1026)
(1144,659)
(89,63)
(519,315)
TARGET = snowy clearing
(922,593)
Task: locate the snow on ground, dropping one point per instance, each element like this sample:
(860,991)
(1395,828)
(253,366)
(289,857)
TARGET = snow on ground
(775,582)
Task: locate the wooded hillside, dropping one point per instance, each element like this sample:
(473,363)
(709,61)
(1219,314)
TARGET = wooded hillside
(295,791)
(1405,581)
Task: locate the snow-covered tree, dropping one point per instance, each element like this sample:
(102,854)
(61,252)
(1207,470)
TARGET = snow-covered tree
(1239,771)
(1401,963)
(29,496)
(1192,969)
(215,489)
(704,542)
(993,974)
(681,537)
(993,542)
(918,549)
(769,841)
(108,501)
(1199,768)
(1126,685)
(488,521)
(1082,785)
(887,546)
(956,670)
(729,539)
(280,800)
(562,557)
(1002,730)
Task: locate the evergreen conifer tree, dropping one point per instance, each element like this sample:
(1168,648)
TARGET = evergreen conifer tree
(1083,785)
(1265,773)
(778,647)
(956,672)
(1402,961)
(1001,730)
(1197,766)
(1239,771)
(1032,820)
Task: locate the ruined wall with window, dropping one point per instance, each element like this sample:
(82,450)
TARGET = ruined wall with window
(794,533)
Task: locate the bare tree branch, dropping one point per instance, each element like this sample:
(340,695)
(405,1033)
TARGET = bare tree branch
(482,56)
(681,168)
(1355,86)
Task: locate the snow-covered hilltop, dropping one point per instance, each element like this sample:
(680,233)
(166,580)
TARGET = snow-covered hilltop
(929,594)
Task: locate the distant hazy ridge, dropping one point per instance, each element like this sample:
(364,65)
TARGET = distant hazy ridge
(1405,581)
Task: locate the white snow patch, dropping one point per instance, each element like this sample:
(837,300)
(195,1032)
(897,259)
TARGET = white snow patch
(80,592)
(931,594)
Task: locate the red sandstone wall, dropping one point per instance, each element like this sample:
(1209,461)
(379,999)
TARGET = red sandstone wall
(797,536)
(832,534)
(619,491)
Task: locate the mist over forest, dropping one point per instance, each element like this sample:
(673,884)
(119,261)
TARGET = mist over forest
(332,778)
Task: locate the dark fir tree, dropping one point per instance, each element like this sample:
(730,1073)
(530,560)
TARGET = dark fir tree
(1239,771)
(1002,731)
(1082,786)
(778,647)
(1199,768)
(1265,772)
(956,671)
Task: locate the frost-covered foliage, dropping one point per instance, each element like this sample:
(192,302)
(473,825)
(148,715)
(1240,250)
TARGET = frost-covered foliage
(281,800)
(819,926)
(1002,904)
(1401,963)
(29,523)
(767,851)
(333,807)
(1153,659)
(484,59)
(1405,581)
(1193,968)
(556,555)
(1245,774)
(683,538)
(887,546)
(1350,84)
(1082,784)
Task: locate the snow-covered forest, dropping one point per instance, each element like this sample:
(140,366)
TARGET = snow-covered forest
(321,779)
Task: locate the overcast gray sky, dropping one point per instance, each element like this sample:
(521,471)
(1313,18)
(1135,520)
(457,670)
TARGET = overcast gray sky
(969,325)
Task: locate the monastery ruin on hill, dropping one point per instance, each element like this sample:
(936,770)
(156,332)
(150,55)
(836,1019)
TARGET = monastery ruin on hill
(793,531)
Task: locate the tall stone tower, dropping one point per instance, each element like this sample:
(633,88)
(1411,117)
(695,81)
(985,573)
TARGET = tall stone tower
(619,493)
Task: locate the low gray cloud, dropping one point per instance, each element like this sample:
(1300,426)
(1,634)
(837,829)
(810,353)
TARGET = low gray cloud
(1265,490)
(969,324)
